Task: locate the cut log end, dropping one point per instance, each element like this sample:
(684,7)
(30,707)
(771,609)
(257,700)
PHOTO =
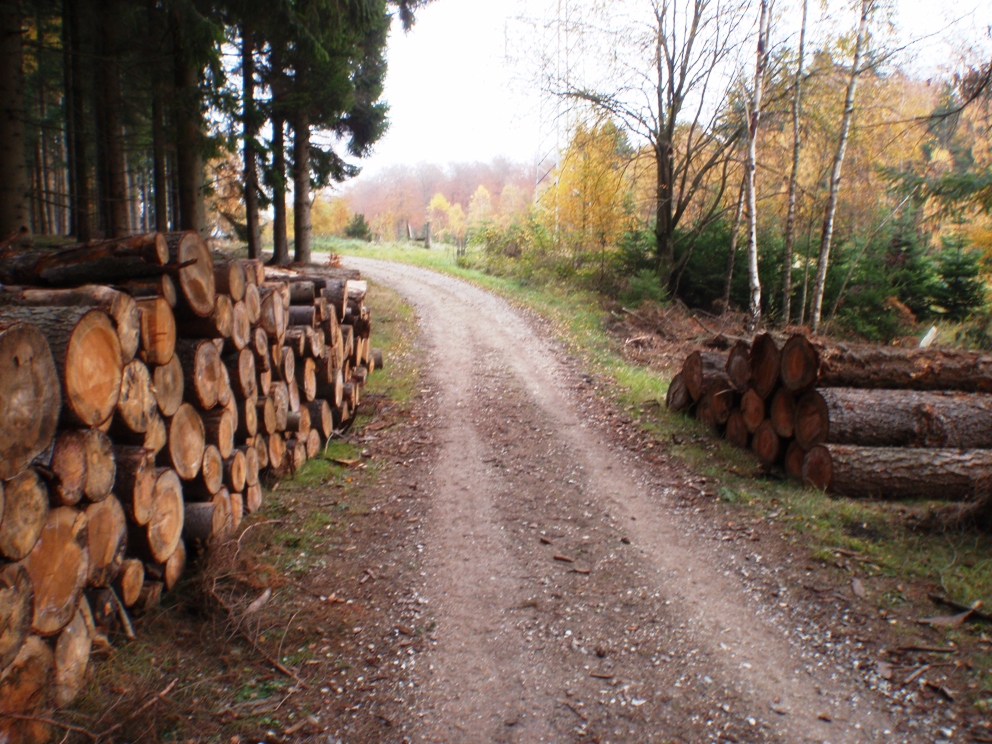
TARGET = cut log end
(58,566)
(800,363)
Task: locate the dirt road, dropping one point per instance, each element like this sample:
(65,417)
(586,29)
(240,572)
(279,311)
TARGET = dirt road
(574,599)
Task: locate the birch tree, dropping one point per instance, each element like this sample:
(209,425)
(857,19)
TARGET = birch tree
(754,118)
(835,173)
(790,214)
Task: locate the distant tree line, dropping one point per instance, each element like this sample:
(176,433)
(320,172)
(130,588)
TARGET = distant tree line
(111,109)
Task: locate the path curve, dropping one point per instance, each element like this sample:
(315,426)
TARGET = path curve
(573,601)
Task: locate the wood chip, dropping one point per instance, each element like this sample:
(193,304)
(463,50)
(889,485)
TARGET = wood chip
(598,675)
(583,571)
(545,541)
(563,558)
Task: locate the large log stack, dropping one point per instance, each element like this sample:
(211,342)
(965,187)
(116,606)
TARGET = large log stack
(856,420)
(144,386)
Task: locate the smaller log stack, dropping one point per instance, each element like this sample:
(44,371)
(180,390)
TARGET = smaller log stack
(135,421)
(855,420)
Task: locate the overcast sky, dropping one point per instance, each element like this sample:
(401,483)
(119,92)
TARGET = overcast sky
(460,84)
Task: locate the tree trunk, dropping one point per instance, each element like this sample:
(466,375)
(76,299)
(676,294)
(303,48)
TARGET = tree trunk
(250,130)
(58,566)
(302,226)
(895,472)
(189,134)
(159,175)
(835,172)
(87,354)
(110,105)
(280,243)
(754,280)
(29,385)
(14,210)
(894,418)
(790,215)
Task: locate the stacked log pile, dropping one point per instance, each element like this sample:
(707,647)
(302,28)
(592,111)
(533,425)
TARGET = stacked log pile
(860,421)
(144,387)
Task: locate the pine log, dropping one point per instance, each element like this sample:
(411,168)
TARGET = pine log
(72,656)
(260,347)
(253,303)
(302,292)
(106,261)
(135,482)
(287,366)
(332,390)
(87,355)
(253,498)
(720,396)
(262,450)
(235,472)
(308,380)
(25,686)
(298,421)
(106,529)
(247,419)
(316,342)
(700,371)
(704,411)
(752,409)
(158,540)
(280,399)
(359,375)
(794,457)
(800,364)
(186,442)
(348,345)
(766,444)
(230,279)
(16,602)
(783,413)
(159,286)
(129,580)
(244,377)
(210,478)
(240,327)
(677,399)
(30,395)
(219,426)
(137,404)
(25,511)
(58,565)
(296,339)
(720,393)
(150,597)
(201,367)
(237,510)
(342,415)
(293,389)
(251,464)
(265,382)
(197,290)
(296,453)
(121,307)
(101,470)
(736,432)
(313,444)
(225,393)
(208,521)
(277,452)
(377,359)
(156,437)
(158,331)
(68,466)
(357,289)
(896,472)
(336,293)
(218,324)
(739,366)
(321,418)
(766,364)
(273,314)
(254,271)
(175,566)
(168,385)
(266,410)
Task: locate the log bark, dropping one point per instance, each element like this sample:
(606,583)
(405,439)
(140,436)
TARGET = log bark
(107,262)
(296,339)
(160,286)
(738,366)
(186,442)
(766,363)
(794,457)
(207,521)
(766,444)
(87,355)
(700,371)
(377,359)
(235,472)
(25,512)
(135,482)
(783,413)
(883,367)
(302,292)
(201,367)
(16,602)
(101,470)
(72,656)
(895,472)
(296,453)
(30,395)
(106,530)
(342,415)
(129,581)
(298,421)
(158,331)
(121,307)
(137,405)
(230,279)
(58,565)
(168,384)
(321,418)
(68,466)
(752,409)
(736,432)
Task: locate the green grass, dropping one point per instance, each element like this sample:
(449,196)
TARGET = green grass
(960,564)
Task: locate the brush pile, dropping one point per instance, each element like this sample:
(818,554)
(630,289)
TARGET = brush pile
(144,387)
(859,421)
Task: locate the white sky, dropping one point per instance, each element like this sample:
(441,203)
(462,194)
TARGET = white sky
(456,93)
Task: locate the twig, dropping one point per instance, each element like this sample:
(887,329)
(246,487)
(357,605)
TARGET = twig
(122,615)
(285,633)
(976,614)
(52,722)
(148,703)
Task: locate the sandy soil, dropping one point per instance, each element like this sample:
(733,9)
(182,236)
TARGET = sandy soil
(569,590)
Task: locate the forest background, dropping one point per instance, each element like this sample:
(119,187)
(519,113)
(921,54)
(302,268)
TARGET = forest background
(728,155)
